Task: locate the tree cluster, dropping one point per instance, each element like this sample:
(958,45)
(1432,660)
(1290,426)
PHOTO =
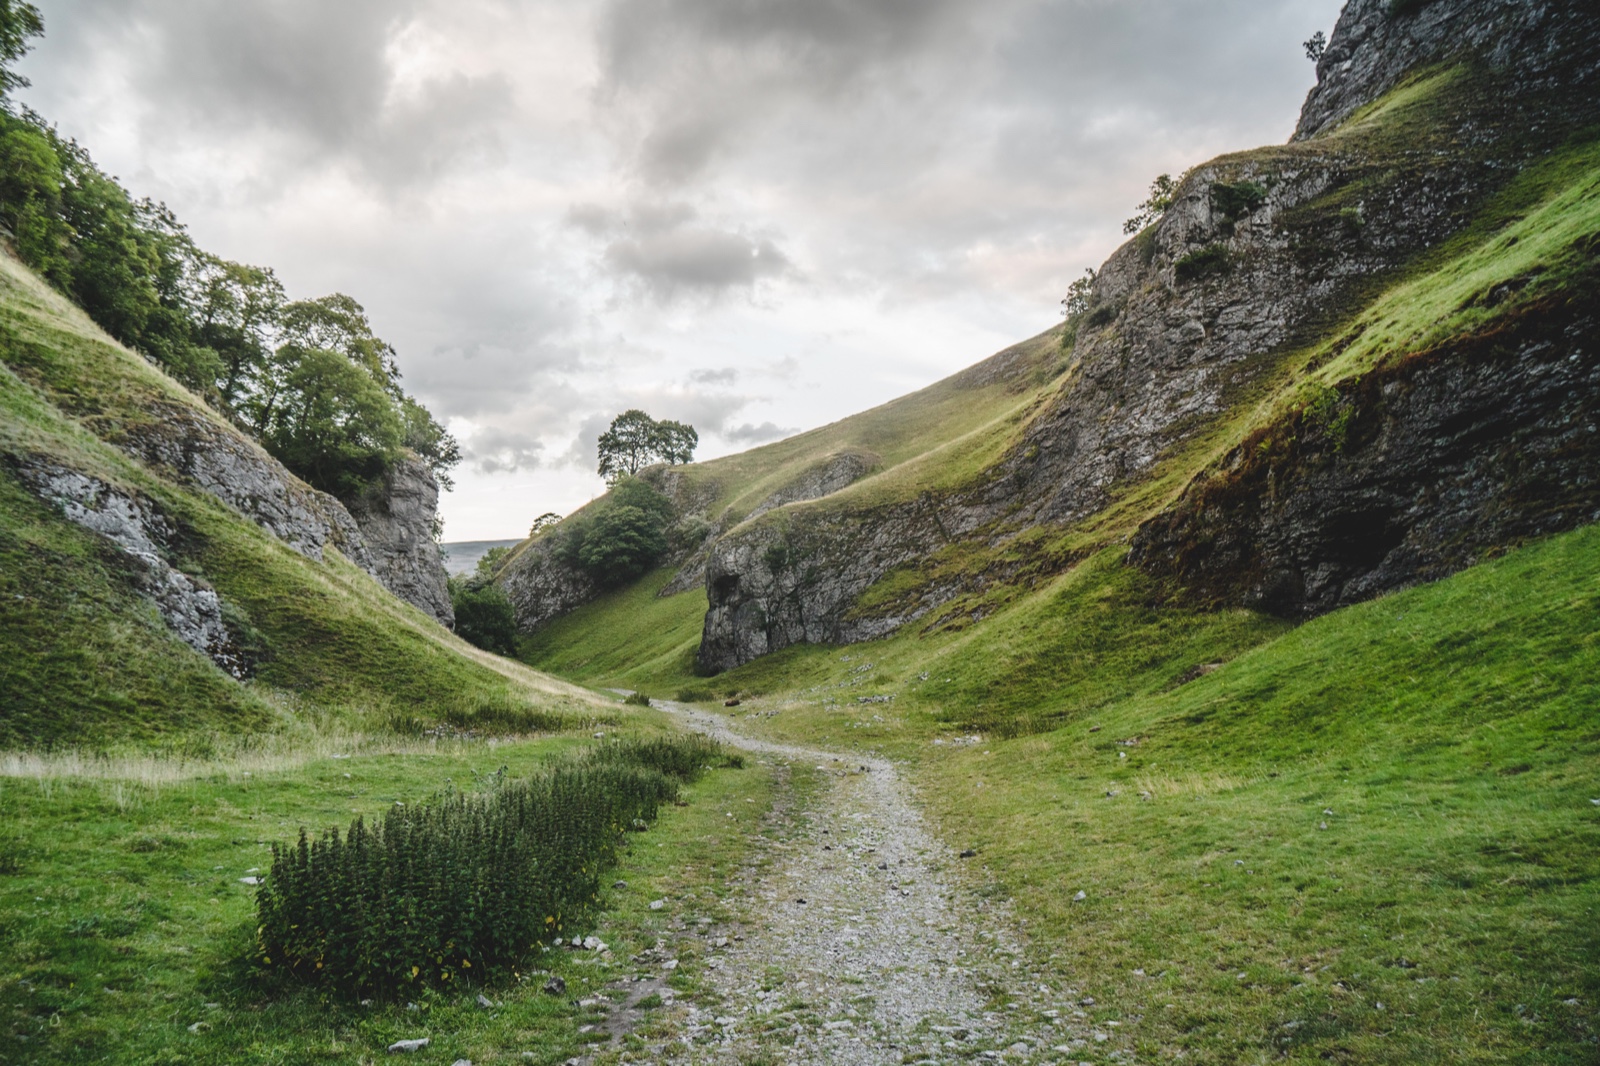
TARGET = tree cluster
(620,538)
(309,378)
(635,441)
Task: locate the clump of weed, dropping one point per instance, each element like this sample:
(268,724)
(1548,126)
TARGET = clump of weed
(636,699)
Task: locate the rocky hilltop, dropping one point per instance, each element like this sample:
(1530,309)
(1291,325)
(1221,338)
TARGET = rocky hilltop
(1390,473)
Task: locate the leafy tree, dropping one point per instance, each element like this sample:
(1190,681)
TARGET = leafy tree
(1162,192)
(30,200)
(489,563)
(431,441)
(635,440)
(1316,46)
(620,544)
(19,21)
(484,615)
(329,421)
(337,323)
(221,328)
(1078,294)
(548,520)
(236,309)
(623,538)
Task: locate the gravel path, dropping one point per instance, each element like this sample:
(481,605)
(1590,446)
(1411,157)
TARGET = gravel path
(860,949)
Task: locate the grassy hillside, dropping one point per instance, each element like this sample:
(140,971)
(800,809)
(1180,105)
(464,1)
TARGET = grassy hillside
(1371,838)
(86,660)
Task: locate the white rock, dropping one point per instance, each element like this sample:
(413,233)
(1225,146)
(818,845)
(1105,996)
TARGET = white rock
(400,1046)
(1080,897)
(250,880)
(657,904)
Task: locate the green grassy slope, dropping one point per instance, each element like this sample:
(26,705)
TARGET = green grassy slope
(125,929)
(85,659)
(1372,839)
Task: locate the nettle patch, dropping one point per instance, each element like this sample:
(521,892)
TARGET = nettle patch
(461,888)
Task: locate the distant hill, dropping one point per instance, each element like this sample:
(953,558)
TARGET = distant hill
(461,556)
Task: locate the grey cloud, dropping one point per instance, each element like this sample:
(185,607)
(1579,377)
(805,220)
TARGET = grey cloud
(696,259)
(317,74)
(752,434)
(701,71)
(584,451)
(726,375)
(495,451)
(666,247)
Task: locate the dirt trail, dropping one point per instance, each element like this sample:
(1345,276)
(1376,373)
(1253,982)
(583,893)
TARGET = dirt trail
(860,949)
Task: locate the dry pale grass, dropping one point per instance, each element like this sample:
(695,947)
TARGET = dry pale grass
(230,758)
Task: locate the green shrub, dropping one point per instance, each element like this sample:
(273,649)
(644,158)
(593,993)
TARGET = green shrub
(623,538)
(1208,261)
(636,699)
(484,616)
(460,889)
(1234,201)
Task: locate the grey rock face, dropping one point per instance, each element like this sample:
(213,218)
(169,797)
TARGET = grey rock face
(397,520)
(1550,43)
(837,472)
(189,606)
(541,587)
(393,541)
(228,465)
(1425,468)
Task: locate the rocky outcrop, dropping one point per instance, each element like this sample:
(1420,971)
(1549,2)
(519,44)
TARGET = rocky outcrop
(1536,44)
(388,532)
(136,529)
(396,519)
(824,479)
(542,586)
(1407,475)
(1259,254)
(203,452)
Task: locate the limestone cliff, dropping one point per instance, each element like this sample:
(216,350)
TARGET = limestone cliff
(397,519)
(1264,257)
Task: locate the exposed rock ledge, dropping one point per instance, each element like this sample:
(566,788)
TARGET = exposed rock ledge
(189,606)
(390,535)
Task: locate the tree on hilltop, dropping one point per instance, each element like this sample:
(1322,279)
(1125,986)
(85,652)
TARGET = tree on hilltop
(635,440)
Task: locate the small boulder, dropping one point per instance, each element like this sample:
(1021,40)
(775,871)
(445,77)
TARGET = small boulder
(555,986)
(407,1046)
(968,854)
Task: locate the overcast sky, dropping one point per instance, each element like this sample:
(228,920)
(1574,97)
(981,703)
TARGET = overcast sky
(754,215)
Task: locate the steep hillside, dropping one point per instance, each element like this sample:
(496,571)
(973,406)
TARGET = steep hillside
(163,575)
(1288,393)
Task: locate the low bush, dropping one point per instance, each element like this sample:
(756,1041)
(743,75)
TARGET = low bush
(1208,261)
(460,889)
